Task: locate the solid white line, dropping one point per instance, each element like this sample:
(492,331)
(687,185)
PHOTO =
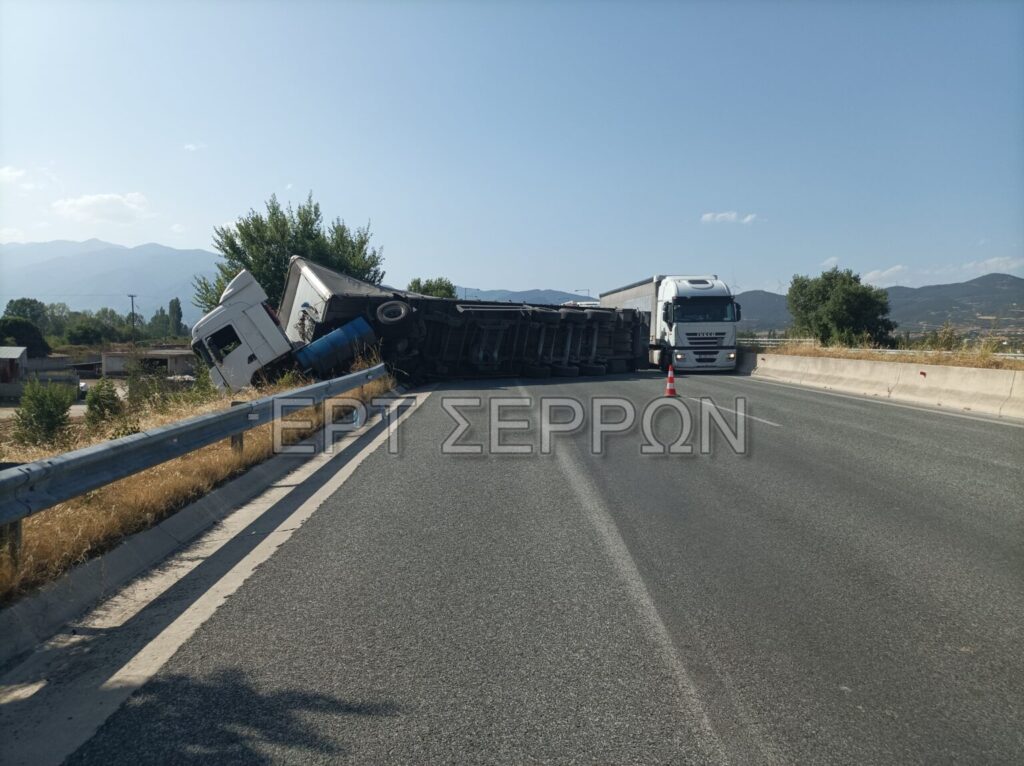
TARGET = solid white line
(601,520)
(154,655)
(709,400)
(888,403)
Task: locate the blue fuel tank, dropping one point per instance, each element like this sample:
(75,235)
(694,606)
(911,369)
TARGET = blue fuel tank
(336,347)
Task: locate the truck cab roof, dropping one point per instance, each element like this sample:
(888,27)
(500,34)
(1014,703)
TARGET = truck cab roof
(694,286)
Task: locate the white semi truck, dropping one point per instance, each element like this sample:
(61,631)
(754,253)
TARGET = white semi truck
(326,319)
(692,319)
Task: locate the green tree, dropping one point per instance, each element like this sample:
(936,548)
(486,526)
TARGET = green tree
(264,243)
(102,403)
(30,309)
(836,308)
(58,316)
(89,331)
(24,333)
(42,414)
(159,326)
(439,286)
(174,312)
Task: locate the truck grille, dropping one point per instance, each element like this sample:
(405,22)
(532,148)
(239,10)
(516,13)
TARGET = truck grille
(695,340)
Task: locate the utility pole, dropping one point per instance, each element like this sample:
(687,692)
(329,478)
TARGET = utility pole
(133,296)
(583,290)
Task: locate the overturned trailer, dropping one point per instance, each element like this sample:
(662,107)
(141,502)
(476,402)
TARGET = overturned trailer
(326,319)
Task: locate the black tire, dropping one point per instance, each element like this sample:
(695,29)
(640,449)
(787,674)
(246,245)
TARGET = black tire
(393,312)
(664,360)
(536,371)
(592,369)
(564,371)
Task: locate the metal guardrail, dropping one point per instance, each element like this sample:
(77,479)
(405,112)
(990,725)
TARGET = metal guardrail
(33,487)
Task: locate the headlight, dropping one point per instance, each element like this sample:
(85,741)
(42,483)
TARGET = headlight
(732,354)
(680,355)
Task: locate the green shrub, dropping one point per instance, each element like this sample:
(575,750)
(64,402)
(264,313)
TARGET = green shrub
(102,403)
(42,417)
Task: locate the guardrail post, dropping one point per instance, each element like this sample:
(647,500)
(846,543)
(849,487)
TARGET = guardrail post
(238,440)
(10,541)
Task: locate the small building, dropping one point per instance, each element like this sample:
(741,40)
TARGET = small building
(13,360)
(13,363)
(156,361)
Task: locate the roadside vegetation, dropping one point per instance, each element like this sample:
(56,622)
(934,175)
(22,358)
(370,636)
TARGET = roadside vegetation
(70,533)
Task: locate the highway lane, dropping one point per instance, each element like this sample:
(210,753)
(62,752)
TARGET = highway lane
(848,591)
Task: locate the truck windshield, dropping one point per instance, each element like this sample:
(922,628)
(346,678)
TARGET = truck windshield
(705,309)
(223,342)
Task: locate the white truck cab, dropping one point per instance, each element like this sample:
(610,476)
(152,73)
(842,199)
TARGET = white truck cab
(240,336)
(692,319)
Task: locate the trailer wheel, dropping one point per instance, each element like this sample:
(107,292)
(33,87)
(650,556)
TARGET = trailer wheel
(536,371)
(593,369)
(393,312)
(564,371)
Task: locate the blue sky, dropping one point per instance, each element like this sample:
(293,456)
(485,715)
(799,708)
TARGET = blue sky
(520,145)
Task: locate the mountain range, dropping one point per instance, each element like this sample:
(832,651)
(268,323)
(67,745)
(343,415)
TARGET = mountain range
(93,274)
(992,300)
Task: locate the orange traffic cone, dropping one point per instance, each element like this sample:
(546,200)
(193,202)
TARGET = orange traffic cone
(670,384)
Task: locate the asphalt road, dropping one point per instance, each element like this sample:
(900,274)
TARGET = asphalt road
(850,590)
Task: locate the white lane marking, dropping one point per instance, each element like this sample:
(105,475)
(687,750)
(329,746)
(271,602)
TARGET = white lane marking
(154,655)
(709,400)
(601,520)
(873,400)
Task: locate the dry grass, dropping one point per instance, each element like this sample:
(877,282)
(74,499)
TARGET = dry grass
(966,358)
(69,533)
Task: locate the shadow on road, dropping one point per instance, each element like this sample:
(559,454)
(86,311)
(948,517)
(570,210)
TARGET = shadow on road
(223,718)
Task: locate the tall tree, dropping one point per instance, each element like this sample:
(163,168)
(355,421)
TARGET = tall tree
(439,286)
(174,312)
(836,308)
(159,326)
(264,243)
(22,332)
(30,309)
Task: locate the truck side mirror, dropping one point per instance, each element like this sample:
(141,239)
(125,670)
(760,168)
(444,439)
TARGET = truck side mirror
(739,312)
(666,313)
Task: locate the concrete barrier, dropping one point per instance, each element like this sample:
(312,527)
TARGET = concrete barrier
(1014,405)
(969,389)
(966,389)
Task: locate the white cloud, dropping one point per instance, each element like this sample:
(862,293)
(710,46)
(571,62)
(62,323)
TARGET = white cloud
(177,228)
(104,208)
(11,234)
(1002,264)
(729,216)
(194,147)
(828,263)
(9,175)
(885,277)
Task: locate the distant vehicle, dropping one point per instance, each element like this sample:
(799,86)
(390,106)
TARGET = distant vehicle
(692,319)
(327,319)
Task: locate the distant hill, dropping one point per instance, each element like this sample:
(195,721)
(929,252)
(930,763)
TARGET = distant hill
(94,274)
(520,296)
(974,304)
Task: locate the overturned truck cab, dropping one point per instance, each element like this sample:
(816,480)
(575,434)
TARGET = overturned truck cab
(327,319)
